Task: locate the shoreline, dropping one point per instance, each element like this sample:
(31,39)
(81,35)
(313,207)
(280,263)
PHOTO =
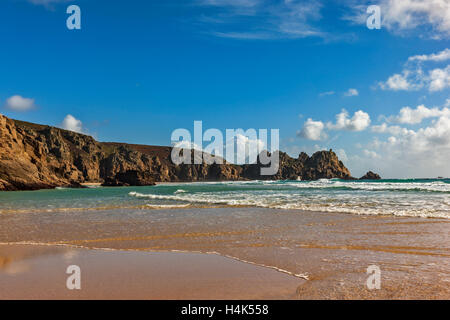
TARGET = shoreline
(38,272)
(332,251)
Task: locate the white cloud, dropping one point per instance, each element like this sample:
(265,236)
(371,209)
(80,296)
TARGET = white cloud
(247,149)
(295,150)
(187,145)
(398,82)
(443,55)
(47,2)
(417,115)
(72,124)
(439,79)
(413,77)
(313,130)
(410,14)
(19,103)
(262,20)
(327,93)
(429,18)
(404,152)
(359,122)
(423,152)
(447,103)
(370,154)
(351,92)
(385,128)
(341,154)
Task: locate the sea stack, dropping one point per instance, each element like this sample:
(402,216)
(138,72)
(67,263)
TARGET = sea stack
(370,176)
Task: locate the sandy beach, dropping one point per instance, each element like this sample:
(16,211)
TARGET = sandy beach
(39,272)
(229,253)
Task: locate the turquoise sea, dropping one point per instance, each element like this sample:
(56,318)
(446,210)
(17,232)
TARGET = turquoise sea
(415,197)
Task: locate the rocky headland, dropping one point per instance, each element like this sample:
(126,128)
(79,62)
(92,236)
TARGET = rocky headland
(34,156)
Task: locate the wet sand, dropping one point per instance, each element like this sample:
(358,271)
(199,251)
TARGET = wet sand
(330,253)
(39,272)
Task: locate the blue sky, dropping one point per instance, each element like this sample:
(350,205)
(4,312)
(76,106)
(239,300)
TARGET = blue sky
(137,70)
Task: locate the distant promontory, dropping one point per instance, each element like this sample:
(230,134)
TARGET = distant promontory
(34,156)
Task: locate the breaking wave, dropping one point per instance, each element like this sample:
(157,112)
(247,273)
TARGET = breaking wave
(417,198)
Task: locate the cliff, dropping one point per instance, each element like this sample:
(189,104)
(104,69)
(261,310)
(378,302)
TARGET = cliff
(321,165)
(35,157)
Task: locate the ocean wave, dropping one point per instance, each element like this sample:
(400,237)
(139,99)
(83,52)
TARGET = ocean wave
(435,186)
(411,185)
(167,206)
(417,198)
(353,205)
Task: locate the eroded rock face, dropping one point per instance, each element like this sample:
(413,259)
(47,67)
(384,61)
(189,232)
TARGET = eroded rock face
(34,157)
(370,176)
(38,157)
(130,178)
(321,165)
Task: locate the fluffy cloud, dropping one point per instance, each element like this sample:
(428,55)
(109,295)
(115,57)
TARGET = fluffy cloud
(19,103)
(411,14)
(439,79)
(240,149)
(425,17)
(423,152)
(371,154)
(247,149)
(398,82)
(72,124)
(413,77)
(313,130)
(186,145)
(403,152)
(385,128)
(359,122)
(351,92)
(425,147)
(443,55)
(417,115)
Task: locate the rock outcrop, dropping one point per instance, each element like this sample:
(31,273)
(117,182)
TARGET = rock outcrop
(130,178)
(35,157)
(370,176)
(321,165)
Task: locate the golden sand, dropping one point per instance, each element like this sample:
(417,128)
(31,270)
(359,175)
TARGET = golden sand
(258,254)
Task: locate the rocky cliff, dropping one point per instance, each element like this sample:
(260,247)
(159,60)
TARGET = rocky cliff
(370,176)
(321,165)
(35,156)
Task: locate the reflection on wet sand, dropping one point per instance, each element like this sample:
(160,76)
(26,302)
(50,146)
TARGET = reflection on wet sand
(332,251)
(139,275)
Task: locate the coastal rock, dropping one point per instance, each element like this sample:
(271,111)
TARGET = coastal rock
(325,165)
(130,178)
(27,158)
(321,165)
(34,156)
(370,176)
